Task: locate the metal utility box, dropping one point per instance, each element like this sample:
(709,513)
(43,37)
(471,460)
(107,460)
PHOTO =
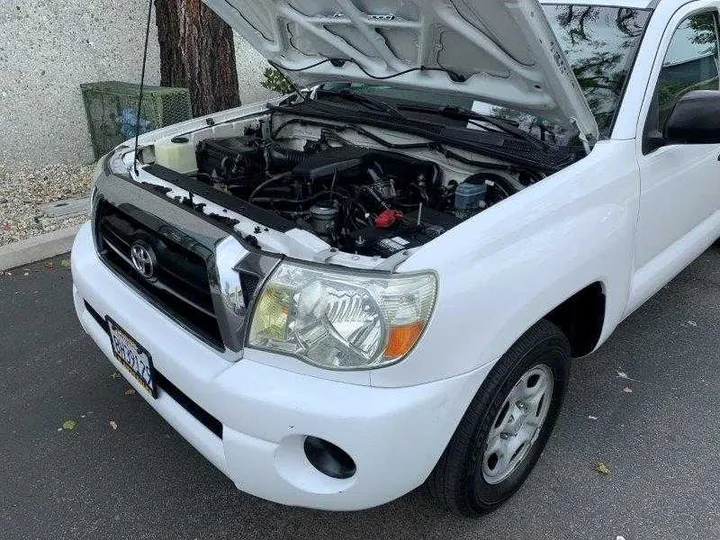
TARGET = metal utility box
(111,109)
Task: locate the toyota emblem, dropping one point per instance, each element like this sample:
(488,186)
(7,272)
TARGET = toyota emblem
(143,260)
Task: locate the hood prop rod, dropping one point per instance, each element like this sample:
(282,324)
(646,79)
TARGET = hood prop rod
(142,85)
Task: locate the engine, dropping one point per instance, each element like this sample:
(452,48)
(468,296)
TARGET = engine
(359,200)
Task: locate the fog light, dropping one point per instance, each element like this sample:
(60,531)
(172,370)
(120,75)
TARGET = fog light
(329,459)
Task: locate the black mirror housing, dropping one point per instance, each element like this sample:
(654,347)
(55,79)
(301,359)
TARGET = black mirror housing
(695,119)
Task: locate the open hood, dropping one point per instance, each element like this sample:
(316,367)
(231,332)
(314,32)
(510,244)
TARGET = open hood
(502,52)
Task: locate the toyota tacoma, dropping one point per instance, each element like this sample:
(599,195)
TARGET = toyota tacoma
(380,280)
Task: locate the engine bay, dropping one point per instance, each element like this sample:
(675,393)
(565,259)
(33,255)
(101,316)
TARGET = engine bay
(359,200)
(373,195)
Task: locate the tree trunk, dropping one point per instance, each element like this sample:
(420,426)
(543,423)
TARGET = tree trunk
(197,51)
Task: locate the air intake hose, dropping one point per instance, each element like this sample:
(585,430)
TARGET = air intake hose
(280,158)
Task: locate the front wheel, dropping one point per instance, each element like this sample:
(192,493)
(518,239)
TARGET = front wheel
(506,426)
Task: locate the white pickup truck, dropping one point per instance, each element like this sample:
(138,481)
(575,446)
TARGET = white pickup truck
(379,281)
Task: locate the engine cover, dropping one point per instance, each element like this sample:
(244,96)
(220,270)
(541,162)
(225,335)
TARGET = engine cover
(362,166)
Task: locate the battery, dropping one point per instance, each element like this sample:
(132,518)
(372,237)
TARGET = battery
(406,234)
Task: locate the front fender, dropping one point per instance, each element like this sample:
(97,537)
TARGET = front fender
(502,271)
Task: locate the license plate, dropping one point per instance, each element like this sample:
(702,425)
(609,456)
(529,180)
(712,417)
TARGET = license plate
(133,356)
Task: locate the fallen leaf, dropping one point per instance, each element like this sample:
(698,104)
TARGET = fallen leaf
(592,418)
(602,468)
(115,375)
(129,392)
(65,263)
(69,425)
(623,375)
(627,390)
(49,266)
(113,424)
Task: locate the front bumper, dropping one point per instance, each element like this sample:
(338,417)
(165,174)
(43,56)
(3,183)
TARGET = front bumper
(395,436)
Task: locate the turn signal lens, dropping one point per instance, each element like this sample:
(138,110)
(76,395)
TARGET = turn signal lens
(403,338)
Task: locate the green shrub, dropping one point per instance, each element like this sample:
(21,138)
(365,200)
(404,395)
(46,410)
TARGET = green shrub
(277,82)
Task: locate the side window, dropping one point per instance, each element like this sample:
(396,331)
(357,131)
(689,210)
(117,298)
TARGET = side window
(691,63)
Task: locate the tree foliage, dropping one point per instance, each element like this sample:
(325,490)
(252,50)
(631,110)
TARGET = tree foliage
(274,80)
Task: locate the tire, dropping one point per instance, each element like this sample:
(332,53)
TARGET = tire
(477,473)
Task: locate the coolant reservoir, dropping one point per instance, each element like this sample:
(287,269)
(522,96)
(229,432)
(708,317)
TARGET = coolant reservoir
(177,155)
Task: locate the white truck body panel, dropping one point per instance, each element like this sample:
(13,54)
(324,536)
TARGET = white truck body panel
(505,48)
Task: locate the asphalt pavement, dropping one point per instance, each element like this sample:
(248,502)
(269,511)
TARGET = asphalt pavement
(122,472)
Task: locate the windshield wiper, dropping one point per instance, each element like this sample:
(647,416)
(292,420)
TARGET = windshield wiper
(449,111)
(459,112)
(369,102)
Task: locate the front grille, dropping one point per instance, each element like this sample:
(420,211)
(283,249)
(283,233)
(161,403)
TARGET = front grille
(179,285)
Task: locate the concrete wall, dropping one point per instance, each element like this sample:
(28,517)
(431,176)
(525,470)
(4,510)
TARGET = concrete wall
(250,67)
(48,48)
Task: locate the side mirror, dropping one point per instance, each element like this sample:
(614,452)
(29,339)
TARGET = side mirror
(695,119)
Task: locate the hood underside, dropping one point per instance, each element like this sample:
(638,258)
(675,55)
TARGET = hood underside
(501,52)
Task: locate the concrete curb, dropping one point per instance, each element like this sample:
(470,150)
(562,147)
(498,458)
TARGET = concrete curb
(37,248)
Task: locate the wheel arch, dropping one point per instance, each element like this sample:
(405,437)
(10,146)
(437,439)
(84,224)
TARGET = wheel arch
(582,318)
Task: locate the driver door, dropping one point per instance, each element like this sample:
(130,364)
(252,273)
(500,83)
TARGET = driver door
(680,183)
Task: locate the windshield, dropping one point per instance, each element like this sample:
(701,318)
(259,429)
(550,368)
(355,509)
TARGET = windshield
(600,43)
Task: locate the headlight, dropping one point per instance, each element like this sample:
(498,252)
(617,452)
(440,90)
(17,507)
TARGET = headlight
(340,320)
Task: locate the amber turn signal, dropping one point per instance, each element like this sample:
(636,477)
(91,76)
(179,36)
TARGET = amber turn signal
(403,338)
